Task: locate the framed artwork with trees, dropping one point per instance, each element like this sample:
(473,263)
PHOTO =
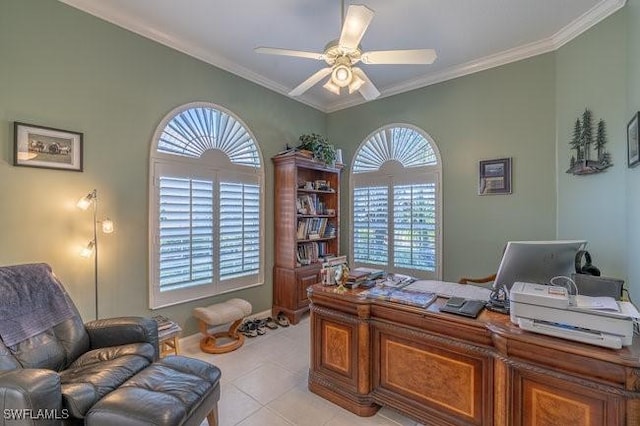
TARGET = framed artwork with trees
(590,154)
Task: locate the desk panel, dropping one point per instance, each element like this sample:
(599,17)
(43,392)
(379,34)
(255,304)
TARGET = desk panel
(443,369)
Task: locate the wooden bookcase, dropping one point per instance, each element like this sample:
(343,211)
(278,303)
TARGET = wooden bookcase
(307,226)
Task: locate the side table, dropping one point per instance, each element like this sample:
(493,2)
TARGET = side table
(168,332)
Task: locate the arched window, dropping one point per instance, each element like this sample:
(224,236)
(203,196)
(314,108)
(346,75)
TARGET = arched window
(396,202)
(206,191)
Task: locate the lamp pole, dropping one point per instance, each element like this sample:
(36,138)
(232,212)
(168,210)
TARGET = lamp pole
(95,254)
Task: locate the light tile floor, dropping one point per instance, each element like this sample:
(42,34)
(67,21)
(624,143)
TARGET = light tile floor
(264,383)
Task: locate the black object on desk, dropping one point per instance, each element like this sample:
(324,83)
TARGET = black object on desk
(465,307)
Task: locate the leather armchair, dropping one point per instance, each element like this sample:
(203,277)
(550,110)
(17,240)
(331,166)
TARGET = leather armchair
(57,375)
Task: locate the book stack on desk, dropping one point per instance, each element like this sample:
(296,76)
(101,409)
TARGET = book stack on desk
(406,297)
(363,277)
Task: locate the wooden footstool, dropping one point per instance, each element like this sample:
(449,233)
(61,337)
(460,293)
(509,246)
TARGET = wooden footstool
(232,311)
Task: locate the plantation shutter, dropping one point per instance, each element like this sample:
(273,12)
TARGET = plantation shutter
(414,222)
(396,202)
(370,225)
(185,232)
(239,230)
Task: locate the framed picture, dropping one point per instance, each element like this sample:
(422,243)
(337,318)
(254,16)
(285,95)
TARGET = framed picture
(633,150)
(46,147)
(495,177)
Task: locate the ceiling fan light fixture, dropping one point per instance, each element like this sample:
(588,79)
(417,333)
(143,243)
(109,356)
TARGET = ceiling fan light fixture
(333,88)
(341,75)
(356,84)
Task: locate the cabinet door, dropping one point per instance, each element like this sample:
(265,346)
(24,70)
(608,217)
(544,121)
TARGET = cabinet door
(441,381)
(305,279)
(541,400)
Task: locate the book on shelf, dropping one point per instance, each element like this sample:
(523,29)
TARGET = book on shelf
(312,252)
(406,297)
(311,228)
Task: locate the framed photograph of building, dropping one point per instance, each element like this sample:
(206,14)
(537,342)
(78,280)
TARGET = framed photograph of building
(494,177)
(46,147)
(633,149)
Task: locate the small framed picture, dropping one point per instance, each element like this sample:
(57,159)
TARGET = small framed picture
(46,147)
(495,177)
(633,149)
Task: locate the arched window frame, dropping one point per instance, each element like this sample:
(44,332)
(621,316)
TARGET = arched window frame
(391,172)
(210,163)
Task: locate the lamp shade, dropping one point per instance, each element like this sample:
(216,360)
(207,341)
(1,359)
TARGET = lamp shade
(84,202)
(107,226)
(87,251)
(341,75)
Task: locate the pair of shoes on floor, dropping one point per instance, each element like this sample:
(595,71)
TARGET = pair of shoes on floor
(253,327)
(282,320)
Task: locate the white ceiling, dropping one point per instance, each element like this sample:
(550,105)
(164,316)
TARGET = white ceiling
(468,35)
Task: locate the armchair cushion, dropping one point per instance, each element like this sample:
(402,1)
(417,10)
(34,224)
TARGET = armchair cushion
(100,371)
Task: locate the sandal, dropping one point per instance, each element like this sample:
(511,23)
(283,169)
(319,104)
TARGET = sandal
(270,323)
(249,329)
(282,320)
(260,326)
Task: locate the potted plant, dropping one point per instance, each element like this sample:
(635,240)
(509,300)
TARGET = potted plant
(322,150)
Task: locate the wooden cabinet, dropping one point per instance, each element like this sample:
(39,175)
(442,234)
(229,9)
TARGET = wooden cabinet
(307,227)
(442,369)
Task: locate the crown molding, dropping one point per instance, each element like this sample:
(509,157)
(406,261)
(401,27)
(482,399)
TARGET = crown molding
(121,20)
(587,20)
(471,67)
(581,24)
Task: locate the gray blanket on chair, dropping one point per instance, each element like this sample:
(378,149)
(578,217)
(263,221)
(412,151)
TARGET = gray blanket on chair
(31,301)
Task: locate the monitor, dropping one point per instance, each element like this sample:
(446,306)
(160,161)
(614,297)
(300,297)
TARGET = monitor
(536,261)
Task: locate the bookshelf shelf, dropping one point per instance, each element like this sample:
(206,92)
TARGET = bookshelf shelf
(307,223)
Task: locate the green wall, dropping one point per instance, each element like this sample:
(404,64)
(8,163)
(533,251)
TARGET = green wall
(632,175)
(507,111)
(590,73)
(66,69)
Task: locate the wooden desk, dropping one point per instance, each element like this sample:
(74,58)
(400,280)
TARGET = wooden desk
(443,369)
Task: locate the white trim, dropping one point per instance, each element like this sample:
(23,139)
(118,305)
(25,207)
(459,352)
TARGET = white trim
(587,20)
(119,19)
(433,169)
(596,14)
(591,17)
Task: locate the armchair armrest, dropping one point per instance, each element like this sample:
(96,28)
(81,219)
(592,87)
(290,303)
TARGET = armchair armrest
(27,395)
(121,331)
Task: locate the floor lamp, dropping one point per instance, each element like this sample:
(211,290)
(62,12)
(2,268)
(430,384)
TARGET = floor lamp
(92,247)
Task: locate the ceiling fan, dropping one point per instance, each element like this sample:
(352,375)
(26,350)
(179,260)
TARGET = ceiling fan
(341,55)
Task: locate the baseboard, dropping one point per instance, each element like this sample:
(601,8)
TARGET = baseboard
(193,339)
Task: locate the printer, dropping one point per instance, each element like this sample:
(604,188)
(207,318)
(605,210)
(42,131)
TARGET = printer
(552,311)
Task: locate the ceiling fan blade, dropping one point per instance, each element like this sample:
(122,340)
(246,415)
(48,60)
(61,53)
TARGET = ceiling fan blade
(367,90)
(289,52)
(415,56)
(311,81)
(355,24)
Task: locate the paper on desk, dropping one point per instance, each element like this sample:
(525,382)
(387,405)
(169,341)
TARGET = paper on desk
(447,289)
(600,303)
(627,308)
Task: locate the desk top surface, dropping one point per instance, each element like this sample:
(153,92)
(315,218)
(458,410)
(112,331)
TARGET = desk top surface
(487,324)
